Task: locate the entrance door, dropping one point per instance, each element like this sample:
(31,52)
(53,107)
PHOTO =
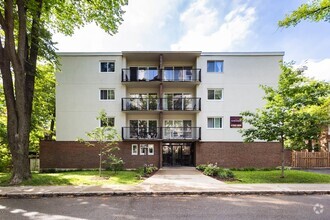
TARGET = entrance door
(178,154)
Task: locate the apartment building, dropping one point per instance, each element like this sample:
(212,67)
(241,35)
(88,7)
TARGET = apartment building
(171,108)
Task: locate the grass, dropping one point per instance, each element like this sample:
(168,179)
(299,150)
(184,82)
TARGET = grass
(291,176)
(76,178)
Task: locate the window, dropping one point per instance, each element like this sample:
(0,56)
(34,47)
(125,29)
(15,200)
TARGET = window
(107,94)
(110,121)
(135,149)
(214,122)
(151,149)
(215,66)
(214,94)
(143,149)
(107,67)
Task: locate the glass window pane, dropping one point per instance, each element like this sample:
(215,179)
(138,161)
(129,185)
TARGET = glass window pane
(218,66)
(210,66)
(103,94)
(210,94)
(210,123)
(218,94)
(217,122)
(111,122)
(111,67)
(133,123)
(104,67)
(111,94)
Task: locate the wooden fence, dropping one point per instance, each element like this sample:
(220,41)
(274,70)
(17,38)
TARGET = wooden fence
(310,159)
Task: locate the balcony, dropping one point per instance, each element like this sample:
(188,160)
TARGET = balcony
(166,75)
(161,133)
(181,75)
(181,104)
(141,133)
(166,104)
(140,104)
(138,75)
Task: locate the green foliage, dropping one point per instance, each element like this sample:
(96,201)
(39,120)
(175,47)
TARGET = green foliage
(43,114)
(114,163)
(211,170)
(295,111)
(106,139)
(201,167)
(215,171)
(5,158)
(291,176)
(76,178)
(316,10)
(147,170)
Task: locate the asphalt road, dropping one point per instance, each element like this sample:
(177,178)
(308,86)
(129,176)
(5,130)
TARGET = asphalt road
(169,207)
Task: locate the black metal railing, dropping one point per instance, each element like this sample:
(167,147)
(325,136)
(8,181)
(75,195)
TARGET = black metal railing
(136,75)
(140,104)
(166,104)
(161,133)
(181,104)
(181,75)
(137,133)
(181,133)
(166,75)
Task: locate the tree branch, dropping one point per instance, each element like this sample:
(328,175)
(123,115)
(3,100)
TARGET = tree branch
(21,49)
(9,35)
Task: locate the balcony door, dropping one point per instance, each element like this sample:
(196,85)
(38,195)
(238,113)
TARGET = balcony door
(143,101)
(177,74)
(177,129)
(177,101)
(143,73)
(144,129)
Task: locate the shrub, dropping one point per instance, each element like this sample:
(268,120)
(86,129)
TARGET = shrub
(5,159)
(115,163)
(211,170)
(201,167)
(147,170)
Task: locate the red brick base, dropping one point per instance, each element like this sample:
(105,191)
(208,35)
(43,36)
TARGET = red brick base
(75,155)
(238,154)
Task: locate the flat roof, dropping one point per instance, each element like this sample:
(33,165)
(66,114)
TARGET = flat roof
(195,53)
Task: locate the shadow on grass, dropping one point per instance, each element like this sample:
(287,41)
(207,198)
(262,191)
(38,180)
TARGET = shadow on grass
(37,180)
(75,178)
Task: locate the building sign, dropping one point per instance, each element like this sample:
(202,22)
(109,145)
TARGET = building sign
(236,122)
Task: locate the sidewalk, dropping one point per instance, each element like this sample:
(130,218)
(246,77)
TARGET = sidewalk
(167,182)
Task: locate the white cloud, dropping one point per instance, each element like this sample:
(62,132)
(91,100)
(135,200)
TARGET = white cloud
(318,69)
(141,30)
(203,30)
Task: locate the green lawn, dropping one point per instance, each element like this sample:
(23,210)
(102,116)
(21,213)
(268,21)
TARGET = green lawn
(76,178)
(291,176)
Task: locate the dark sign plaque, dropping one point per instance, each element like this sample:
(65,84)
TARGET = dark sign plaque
(236,122)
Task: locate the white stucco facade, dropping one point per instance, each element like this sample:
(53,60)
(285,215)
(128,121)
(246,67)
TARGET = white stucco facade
(80,80)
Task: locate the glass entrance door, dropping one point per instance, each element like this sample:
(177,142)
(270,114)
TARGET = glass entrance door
(178,154)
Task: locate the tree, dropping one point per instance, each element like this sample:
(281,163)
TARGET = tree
(43,110)
(26,37)
(294,111)
(106,139)
(316,10)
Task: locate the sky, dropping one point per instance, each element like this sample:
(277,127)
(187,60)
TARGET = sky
(211,25)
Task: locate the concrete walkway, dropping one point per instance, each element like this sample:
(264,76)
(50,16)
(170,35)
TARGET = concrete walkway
(173,181)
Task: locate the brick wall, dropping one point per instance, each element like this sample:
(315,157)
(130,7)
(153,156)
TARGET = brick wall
(238,154)
(71,154)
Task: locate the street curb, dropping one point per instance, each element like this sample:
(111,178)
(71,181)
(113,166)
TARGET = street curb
(181,193)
